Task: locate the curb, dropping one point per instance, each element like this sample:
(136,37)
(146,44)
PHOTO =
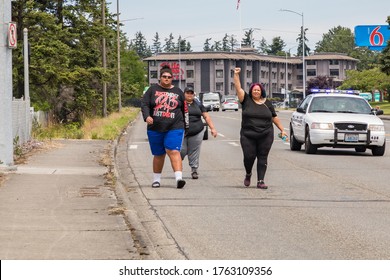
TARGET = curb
(151,237)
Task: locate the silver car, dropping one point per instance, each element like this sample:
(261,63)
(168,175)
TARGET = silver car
(337,120)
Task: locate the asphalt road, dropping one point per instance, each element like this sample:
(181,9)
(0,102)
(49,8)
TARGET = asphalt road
(332,205)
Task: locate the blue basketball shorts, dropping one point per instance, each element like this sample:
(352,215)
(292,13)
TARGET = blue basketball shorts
(161,141)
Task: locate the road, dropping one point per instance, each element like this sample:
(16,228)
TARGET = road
(332,205)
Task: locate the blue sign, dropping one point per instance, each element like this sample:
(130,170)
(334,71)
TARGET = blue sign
(374,37)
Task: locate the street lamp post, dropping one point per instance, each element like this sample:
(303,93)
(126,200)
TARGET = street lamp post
(303,50)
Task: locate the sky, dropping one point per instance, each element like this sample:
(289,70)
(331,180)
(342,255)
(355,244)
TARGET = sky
(197,20)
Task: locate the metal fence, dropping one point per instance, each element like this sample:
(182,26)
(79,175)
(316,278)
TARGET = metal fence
(21,120)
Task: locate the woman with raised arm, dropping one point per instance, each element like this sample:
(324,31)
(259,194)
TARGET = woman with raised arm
(257,131)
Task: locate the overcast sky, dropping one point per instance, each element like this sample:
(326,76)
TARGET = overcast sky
(202,19)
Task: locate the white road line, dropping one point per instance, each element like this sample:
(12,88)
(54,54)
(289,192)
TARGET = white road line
(234,144)
(133,147)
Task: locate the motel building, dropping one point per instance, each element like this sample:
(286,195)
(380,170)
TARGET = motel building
(213,71)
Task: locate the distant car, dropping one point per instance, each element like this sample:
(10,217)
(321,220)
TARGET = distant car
(230,104)
(339,121)
(211,99)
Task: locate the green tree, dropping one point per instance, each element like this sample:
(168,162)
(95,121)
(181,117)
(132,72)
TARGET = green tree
(140,45)
(207,45)
(341,40)
(367,81)
(338,39)
(385,58)
(169,44)
(226,44)
(185,46)
(156,47)
(300,40)
(248,40)
(277,46)
(133,75)
(263,46)
(66,72)
(217,46)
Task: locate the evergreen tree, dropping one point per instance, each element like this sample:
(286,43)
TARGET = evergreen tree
(206,45)
(304,39)
(156,47)
(263,46)
(140,45)
(169,44)
(277,46)
(385,58)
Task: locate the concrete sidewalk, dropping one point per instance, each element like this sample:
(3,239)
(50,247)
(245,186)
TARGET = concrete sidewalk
(61,204)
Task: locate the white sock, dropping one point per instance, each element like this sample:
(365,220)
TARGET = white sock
(156,177)
(178,175)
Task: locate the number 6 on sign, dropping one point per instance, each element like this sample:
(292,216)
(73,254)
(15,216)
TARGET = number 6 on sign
(372,36)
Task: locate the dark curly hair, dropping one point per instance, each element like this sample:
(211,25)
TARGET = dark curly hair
(263,93)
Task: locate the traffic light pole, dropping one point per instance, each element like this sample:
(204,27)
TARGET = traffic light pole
(6,143)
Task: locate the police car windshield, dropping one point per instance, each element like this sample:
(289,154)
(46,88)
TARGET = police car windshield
(340,104)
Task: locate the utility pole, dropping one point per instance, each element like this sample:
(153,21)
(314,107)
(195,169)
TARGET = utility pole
(118,42)
(6,143)
(104,58)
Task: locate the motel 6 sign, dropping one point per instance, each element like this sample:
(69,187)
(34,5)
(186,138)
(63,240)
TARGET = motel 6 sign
(375,37)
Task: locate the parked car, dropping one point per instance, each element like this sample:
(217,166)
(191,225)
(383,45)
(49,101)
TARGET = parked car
(230,104)
(339,121)
(211,99)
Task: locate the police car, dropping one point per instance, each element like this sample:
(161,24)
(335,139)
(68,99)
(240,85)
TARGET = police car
(337,120)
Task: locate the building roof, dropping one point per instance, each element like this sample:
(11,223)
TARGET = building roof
(167,56)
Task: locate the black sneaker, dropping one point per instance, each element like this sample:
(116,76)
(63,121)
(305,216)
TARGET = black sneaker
(194,175)
(156,184)
(247,180)
(180,183)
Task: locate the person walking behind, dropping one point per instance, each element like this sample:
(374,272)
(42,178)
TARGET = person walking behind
(165,112)
(257,132)
(194,137)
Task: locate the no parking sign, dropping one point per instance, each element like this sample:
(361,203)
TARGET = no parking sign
(12,38)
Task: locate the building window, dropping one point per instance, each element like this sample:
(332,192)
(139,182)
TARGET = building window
(334,72)
(299,66)
(248,73)
(219,62)
(190,74)
(189,62)
(310,62)
(333,62)
(153,74)
(300,77)
(153,63)
(249,63)
(311,72)
(219,73)
(219,86)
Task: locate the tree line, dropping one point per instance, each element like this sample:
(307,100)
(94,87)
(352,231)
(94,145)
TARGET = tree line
(66,50)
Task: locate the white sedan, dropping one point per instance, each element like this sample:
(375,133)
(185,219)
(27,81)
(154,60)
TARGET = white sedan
(230,104)
(339,121)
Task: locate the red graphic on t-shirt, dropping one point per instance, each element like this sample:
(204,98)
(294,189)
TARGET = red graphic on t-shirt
(166,102)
